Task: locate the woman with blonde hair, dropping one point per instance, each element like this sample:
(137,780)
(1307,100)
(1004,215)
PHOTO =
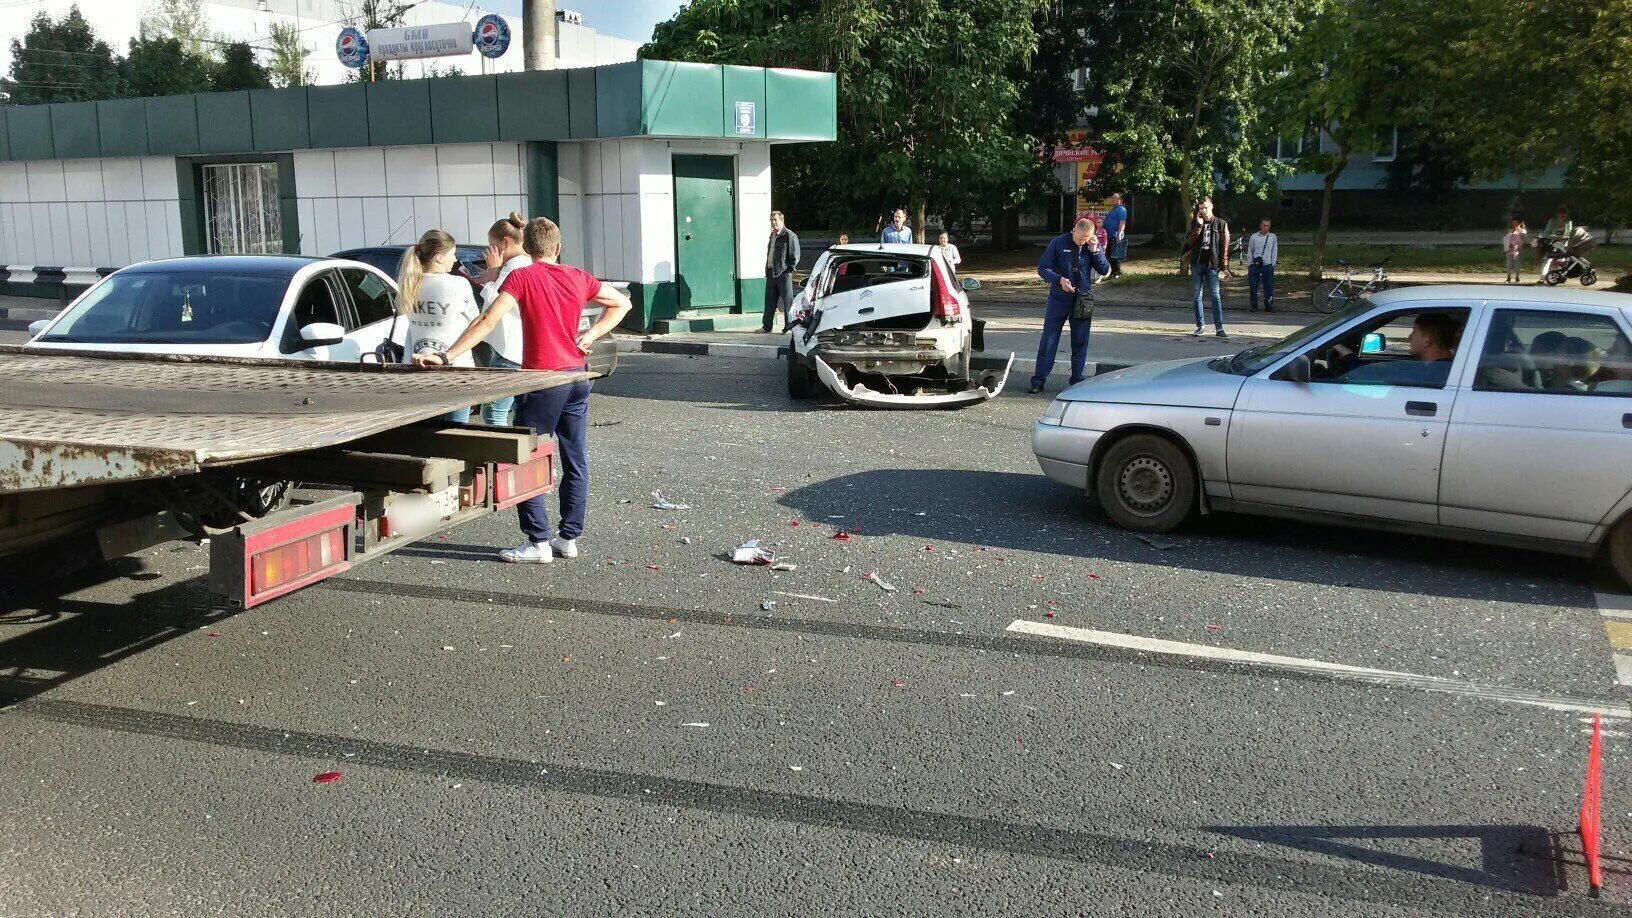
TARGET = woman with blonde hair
(439,305)
(504,254)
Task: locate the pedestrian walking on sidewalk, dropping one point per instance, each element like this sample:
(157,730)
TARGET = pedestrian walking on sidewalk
(1513,249)
(550,297)
(1559,230)
(1262,251)
(1069,264)
(504,254)
(949,251)
(781,257)
(437,303)
(1116,231)
(1205,249)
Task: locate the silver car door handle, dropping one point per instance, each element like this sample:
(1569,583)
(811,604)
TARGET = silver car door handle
(1421,409)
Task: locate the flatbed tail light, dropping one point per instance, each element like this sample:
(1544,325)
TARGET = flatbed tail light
(513,484)
(1055,415)
(283,552)
(944,301)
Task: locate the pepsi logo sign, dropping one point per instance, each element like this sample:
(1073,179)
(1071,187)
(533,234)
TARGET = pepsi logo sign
(492,37)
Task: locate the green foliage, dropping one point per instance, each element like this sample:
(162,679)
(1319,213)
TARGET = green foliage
(182,20)
(164,67)
(60,61)
(238,69)
(288,66)
(927,95)
(1181,88)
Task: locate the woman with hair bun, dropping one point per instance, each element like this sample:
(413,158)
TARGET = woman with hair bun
(504,254)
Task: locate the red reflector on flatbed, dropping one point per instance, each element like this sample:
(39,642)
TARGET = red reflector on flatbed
(513,484)
(283,552)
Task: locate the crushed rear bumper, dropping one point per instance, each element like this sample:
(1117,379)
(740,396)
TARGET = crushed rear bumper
(862,395)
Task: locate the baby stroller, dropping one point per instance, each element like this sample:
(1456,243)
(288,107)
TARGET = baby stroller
(1565,257)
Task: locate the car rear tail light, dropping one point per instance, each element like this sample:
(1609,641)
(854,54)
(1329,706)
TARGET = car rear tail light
(513,484)
(944,300)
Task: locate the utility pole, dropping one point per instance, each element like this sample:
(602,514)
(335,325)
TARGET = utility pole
(538,34)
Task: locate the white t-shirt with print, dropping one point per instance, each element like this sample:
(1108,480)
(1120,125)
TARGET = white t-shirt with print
(443,308)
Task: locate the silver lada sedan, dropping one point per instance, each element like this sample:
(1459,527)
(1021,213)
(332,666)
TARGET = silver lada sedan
(1487,413)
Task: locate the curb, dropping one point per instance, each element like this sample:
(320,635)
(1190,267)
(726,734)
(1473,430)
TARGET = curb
(780,352)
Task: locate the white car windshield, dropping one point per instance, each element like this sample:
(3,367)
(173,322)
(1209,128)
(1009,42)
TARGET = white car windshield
(180,307)
(1254,359)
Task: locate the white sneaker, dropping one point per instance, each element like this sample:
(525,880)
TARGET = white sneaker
(566,548)
(1198,332)
(531,553)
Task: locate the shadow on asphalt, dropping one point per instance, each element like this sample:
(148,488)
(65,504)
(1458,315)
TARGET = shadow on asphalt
(1028,512)
(1512,857)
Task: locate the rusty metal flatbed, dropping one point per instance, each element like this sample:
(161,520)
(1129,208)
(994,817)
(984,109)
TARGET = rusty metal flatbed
(80,418)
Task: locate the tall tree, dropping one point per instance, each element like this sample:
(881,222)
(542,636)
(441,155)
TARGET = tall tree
(238,69)
(926,92)
(61,61)
(288,66)
(1338,87)
(1180,92)
(164,67)
(183,20)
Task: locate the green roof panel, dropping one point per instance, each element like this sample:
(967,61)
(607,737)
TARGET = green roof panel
(464,109)
(122,127)
(677,100)
(581,102)
(399,112)
(535,105)
(801,105)
(5,141)
(744,111)
(73,130)
(338,115)
(277,119)
(224,123)
(172,125)
(29,127)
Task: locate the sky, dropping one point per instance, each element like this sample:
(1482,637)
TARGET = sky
(631,19)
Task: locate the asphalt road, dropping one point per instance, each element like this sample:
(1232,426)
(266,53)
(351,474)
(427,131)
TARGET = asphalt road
(637,732)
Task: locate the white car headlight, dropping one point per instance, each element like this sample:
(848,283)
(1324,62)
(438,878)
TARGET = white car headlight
(1055,414)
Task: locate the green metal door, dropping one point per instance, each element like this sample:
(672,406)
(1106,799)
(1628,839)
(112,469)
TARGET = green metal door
(705,231)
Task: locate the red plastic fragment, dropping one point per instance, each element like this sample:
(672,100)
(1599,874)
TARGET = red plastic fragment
(1214,627)
(1050,613)
(653,567)
(1093,576)
(793,523)
(213,634)
(327,777)
(899,684)
(841,536)
(917,592)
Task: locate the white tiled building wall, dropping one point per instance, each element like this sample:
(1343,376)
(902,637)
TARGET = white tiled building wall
(390,195)
(89,213)
(617,205)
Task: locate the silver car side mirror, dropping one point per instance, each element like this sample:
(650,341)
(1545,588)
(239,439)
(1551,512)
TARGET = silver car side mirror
(1297,370)
(969,283)
(37,326)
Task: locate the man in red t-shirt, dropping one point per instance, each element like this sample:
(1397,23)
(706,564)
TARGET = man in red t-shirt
(551,297)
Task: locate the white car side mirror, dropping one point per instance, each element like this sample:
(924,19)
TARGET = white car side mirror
(318,334)
(37,326)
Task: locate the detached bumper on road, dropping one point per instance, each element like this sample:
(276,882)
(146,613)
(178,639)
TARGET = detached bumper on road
(1063,452)
(861,395)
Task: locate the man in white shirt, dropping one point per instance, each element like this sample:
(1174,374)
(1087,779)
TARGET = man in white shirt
(1261,252)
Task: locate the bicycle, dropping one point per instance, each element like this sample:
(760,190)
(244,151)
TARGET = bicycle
(1330,296)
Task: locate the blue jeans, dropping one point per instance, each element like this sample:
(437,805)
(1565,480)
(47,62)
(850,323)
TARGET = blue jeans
(1261,276)
(564,412)
(1054,320)
(1207,275)
(497,412)
(458,416)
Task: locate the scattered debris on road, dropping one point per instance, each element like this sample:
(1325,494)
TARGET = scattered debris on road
(659,502)
(750,552)
(883,584)
(327,777)
(1159,544)
(806,596)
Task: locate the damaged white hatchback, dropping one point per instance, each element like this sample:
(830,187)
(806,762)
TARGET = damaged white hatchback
(884,325)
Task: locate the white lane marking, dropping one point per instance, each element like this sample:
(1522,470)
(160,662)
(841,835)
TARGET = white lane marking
(1321,667)
(1623,667)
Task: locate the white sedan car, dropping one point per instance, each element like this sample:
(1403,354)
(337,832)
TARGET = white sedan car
(1487,413)
(278,306)
(884,325)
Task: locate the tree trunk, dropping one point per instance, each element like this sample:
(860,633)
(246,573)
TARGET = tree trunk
(1163,236)
(1318,262)
(920,227)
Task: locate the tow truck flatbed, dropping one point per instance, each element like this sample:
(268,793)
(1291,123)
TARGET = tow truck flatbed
(70,419)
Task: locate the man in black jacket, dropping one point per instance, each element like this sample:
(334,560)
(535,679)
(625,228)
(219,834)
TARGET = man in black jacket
(781,257)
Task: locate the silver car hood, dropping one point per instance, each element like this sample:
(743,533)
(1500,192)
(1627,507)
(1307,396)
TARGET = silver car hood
(1183,383)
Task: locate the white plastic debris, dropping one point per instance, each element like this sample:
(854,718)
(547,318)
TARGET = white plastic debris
(804,596)
(659,502)
(750,552)
(698,723)
(882,583)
